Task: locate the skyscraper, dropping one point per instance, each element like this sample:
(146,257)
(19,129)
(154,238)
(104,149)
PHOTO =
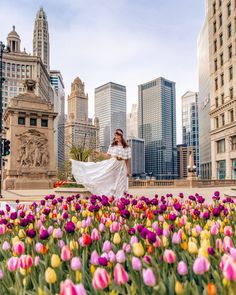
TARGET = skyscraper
(132,122)
(110,109)
(204,86)
(41,38)
(157,126)
(222,56)
(137,156)
(190,123)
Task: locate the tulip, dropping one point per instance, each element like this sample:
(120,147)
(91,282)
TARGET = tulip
(1,274)
(136,263)
(55,261)
(26,261)
(75,263)
(80,290)
(120,256)
(233,252)
(214,230)
(201,265)
(182,268)
(66,253)
(115,227)
(169,256)
(3,229)
(227,244)
(57,233)
(100,279)
(192,248)
(149,278)
(94,258)
(111,256)
(36,260)
(13,263)
(101,227)
(5,246)
(176,239)
(116,239)
(120,275)
(18,248)
(50,275)
(106,246)
(228,231)
(179,289)
(138,249)
(95,235)
(133,240)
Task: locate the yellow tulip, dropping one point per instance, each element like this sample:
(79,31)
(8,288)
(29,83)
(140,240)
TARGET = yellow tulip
(40,291)
(194,232)
(55,260)
(78,276)
(73,245)
(108,223)
(138,249)
(79,224)
(29,240)
(23,271)
(21,234)
(192,248)
(165,225)
(74,219)
(165,241)
(116,239)
(179,289)
(92,269)
(203,252)
(205,243)
(50,275)
(16,221)
(50,215)
(205,234)
(84,213)
(15,239)
(148,223)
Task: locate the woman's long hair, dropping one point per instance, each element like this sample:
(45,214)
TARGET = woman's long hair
(123,141)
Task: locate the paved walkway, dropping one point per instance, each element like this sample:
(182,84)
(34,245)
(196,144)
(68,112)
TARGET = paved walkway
(35,195)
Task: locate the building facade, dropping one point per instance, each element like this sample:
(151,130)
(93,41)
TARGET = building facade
(41,38)
(190,129)
(183,152)
(137,156)
(59,107)
(157,126)
(204,86)
(110,109)
(222,55)
(79,129)
(132,122)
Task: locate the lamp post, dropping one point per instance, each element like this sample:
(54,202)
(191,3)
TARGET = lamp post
(2,79)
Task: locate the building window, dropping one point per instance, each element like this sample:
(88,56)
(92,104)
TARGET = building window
(229,30)
(229,8)
(220,146)
(215,45)
(214,27)
(44,122)
(216,83)
(222,79)
(231,115)
(230,51)
(223,120)
(33,122)
(217,102)
(231,73)
(21,120)
(214,8)
(215,64)
(221,169)
(220,3)
(233,140)
(221,59)
(220,20)
(217,122)
(233,168)
(231,93)
(221,39)
(222,98)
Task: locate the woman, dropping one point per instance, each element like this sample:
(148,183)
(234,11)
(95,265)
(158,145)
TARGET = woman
(108,177)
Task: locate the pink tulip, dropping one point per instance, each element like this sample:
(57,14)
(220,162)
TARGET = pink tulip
(120,256)
(176,239)
(61,244)
(133,240)
(13,263)
(83,224)
(95,235)
(100,279)
(75,263)
(111,256)
(5,246)
(201,265)
(89,221)
(1,274)
(149,278)
(229,270)
(50,229)
(66,253)
(38,247)
(106,246)
(136,263)
(227,244)
(228,231)
(182,268)
(57,233)
(81,242)
(219,244)
(80,289)
(126,247)
(94,258)
(101,227)
(26,261)
(158,242)
(120,275)
(169,256)
(198,228)
(161,218)
(233,252)
(3,229)
(166,232)
(36,260)
(113,217)
(155,225)
(114,227)
(223,260)
(18,248)
(68,288)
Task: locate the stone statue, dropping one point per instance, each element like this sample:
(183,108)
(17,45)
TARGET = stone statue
(29,85)
(33,151)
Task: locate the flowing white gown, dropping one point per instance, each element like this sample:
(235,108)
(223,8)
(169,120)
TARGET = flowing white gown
(108,177)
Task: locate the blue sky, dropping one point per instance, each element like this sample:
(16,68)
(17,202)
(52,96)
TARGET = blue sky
(124,41)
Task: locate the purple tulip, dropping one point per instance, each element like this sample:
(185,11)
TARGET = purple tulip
(70,227)
(31,233)
(43,234)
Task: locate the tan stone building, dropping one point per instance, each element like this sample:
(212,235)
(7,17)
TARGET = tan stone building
(222,55)
(79,129)
(183,152)
(30,128)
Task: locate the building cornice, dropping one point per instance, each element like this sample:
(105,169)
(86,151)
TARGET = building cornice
(220,108)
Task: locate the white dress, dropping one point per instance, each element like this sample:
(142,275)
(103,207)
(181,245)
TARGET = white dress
(108,177)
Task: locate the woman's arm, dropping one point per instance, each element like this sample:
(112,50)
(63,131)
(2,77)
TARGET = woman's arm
(127,162)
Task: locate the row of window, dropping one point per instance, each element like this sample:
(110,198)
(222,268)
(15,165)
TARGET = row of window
(222,78)
(222,97)
(220,120)
(220,144)
(230,54)
(221,169)
(229,8)
(33,121)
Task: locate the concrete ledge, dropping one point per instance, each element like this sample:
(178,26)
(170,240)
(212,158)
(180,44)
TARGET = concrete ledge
(69,191)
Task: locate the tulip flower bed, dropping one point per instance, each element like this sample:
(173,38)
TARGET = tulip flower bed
(164,245)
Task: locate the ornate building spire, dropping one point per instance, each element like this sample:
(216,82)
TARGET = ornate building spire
(41,46)
(13,40)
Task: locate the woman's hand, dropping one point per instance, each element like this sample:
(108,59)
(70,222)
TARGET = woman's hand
(119,158)
(128,174)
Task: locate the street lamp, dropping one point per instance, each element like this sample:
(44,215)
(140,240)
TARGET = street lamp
(2,79)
